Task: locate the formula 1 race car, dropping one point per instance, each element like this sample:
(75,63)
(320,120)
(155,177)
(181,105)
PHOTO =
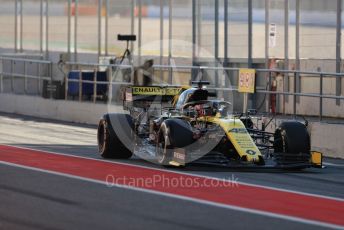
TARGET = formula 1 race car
(178,125)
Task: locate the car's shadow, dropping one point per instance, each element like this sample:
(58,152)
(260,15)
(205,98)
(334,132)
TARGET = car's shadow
(202,167)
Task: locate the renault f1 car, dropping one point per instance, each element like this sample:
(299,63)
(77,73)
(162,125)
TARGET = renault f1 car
(183,125)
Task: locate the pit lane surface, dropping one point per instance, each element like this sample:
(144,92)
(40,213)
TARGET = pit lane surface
(57,202)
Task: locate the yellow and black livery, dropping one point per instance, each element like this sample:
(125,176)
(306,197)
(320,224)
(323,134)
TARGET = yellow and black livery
(188,114)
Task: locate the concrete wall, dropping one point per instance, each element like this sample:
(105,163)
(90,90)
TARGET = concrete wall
(87,113)
(326,138)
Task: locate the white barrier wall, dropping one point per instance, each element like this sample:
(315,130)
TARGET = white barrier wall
(72,111)
(327,138)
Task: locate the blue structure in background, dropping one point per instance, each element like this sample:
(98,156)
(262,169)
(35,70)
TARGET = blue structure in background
(73,87)
(87,88)
(102,88)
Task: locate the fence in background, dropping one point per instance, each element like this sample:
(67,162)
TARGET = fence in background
(114,81)
(27,74)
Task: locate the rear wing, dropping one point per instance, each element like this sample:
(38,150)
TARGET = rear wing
(143,96)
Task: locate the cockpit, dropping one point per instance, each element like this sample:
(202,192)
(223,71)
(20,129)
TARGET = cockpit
(196,101)
(191,95)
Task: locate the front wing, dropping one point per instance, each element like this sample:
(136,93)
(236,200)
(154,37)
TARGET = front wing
(279,161)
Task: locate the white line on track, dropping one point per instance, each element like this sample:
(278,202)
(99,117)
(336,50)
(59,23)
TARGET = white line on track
(204,202)
(331,164)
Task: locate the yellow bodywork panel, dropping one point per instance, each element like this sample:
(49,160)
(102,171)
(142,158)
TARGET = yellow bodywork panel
(175,163)
(156,90)
(316,159)
(240,138)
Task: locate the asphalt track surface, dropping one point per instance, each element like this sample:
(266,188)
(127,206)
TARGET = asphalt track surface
(34,198)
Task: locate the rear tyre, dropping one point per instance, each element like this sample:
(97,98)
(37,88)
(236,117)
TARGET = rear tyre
(173,133)
(109,143)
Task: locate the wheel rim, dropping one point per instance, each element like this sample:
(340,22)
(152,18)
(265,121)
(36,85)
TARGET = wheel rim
(101,138)
(161,148)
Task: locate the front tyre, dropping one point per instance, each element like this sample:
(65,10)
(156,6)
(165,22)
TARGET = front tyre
(292,143)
